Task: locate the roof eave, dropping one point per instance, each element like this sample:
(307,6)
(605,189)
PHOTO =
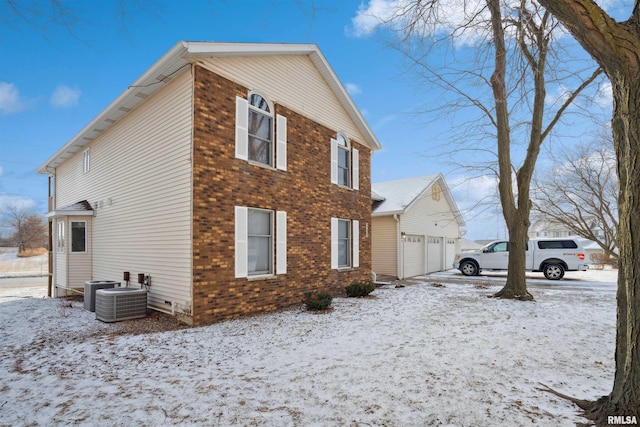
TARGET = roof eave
(178,57)
(387,213)
(62,213)
(341,93)
(162,71)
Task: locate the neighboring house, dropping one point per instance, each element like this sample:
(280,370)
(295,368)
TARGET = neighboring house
(541,229)
(415,227)
(237,176)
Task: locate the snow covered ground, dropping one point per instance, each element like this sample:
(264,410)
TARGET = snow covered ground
(12,266)
(413,356)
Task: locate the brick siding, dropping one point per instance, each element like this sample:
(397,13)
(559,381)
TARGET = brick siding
(304,192)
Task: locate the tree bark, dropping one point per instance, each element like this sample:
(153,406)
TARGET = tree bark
(616,47)
(516,211)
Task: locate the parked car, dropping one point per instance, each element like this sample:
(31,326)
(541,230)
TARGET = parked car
(551,256)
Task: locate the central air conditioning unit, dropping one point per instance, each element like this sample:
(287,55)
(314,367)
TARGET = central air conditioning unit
(116,304)
(90,288)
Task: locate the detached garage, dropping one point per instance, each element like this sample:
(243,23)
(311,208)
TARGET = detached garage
(415,226)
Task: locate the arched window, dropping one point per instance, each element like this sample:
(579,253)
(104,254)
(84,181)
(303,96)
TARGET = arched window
(260,130)
(344,163)
(345,167)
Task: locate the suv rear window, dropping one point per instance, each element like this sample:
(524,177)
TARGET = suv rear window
(557,244)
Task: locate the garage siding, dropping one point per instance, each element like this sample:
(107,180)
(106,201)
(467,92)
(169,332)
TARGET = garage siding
(436,220)
(383,244)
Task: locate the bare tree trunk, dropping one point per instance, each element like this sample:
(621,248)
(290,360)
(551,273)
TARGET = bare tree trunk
(516,212)
(625,396)
(615,47)
(516,285)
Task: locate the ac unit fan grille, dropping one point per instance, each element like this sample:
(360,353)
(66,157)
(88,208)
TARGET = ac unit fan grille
(113,305)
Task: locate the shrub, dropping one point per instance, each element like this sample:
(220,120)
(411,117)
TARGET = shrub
(360,289)
(26,253)
(317,300)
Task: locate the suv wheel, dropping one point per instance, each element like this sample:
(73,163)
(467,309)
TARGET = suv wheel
(469,268)
(553,271)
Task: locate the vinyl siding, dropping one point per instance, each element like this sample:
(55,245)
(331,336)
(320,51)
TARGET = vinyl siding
(60,258)
(383,245)
(139,184)
(79,262)
(434,218)
(298,86)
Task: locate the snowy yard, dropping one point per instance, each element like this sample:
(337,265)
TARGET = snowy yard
(12,266)
(413,356)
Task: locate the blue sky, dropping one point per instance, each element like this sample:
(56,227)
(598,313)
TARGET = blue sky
(52,82)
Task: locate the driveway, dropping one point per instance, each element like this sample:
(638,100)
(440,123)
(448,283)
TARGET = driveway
(590,280)
(24,287)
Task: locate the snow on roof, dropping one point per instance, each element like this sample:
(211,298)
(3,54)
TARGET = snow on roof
(76,209)
(376,197)
(394,197)
(397,195)
(466,244)
(80,206)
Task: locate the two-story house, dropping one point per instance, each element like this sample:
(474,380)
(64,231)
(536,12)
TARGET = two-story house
(236,176)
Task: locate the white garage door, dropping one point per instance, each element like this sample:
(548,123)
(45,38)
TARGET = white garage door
(451,253)
(434,254)
(413,255)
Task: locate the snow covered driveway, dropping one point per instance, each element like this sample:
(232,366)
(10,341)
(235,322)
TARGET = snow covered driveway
(413,356)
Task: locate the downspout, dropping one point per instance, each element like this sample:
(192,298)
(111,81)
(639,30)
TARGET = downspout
(399,263)
(51,205)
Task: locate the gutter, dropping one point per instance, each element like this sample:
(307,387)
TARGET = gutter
(399,259)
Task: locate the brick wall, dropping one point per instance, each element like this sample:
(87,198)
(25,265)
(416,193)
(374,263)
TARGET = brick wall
(304,191)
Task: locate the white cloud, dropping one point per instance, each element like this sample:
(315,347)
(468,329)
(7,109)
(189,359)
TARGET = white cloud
(604,96)
(558,95)
(474,191)
(353,89)
(466,21)
(20,203)
(478,201)
(10,100)
(446,17)
(369,17)
(65,97)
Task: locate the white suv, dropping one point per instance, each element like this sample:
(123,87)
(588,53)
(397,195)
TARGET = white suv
(551,256)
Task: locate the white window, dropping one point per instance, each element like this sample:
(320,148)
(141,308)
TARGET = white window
(78,236)
(255,133)
(255,242)
(344,163)
(86,156)
(260,128)
(260,242)
(345,237)
(60,237)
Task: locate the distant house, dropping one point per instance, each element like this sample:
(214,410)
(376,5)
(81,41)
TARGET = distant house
(237,176)
(542,229)
(415,227)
